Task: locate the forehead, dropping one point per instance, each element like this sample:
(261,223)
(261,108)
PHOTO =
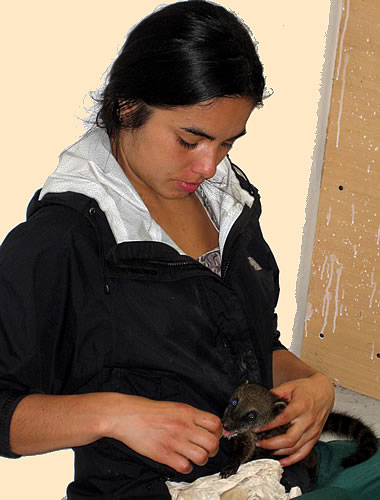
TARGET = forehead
(219,118)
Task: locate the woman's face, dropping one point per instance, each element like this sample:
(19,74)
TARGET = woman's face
(177,149)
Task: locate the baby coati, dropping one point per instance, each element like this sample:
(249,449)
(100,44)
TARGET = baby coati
(252,406)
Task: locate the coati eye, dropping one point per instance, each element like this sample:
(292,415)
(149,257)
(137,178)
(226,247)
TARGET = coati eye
(234,402)
(252,415)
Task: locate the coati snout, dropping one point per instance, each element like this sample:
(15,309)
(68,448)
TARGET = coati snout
(250,408)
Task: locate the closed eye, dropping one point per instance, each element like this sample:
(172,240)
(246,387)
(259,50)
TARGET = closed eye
(190,145)
(186,145)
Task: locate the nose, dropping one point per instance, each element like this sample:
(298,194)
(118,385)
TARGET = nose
(205,163)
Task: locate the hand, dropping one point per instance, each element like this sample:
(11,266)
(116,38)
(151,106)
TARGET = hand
(310,402)
(173,434)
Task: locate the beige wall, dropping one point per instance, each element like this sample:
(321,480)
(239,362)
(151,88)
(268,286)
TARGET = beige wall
(53,53)
(342,336)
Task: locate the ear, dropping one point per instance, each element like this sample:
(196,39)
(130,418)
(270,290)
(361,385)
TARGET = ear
(279,406)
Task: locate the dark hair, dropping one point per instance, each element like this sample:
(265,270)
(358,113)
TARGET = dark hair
(183,54)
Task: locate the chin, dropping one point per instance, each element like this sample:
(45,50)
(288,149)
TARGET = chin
(178,195)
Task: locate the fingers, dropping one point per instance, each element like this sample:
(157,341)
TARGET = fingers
(174,460)
(295,409)
(297,456)
(192,446)
(183,437)
(310,402)
(303,428)
(205,441)
(293,450)
(174,434)
(282,419)
(197,455)
(296,448)
(290,442)
(209,422)
(179,454)
(296,443)
(181,457)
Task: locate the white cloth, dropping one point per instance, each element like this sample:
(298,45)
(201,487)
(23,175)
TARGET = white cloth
(88,167)
(256,480)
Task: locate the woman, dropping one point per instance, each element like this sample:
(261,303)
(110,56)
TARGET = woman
(140,291)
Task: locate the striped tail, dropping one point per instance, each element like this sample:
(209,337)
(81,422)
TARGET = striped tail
(353,428)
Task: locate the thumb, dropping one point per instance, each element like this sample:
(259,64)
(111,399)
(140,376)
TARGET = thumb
(284,390)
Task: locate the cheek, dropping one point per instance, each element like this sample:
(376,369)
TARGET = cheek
(169,150)
(220,156)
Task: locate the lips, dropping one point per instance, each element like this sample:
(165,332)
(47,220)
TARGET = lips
(229,434)
(188,187)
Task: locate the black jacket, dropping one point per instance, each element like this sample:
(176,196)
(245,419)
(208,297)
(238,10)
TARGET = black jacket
(81,314)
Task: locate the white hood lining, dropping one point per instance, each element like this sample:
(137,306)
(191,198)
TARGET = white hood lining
(88,167)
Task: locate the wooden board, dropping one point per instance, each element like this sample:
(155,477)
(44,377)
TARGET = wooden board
(342,325)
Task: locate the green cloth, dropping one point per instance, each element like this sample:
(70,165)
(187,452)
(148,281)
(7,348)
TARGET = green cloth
(361,482)
(329,493)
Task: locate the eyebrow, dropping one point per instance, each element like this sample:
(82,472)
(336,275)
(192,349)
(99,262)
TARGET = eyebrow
(200,133)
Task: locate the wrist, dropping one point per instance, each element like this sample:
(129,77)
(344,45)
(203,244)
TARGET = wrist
(322,379)
(42,423)
(107,407)
(323,387)
(117,412)
(287,367)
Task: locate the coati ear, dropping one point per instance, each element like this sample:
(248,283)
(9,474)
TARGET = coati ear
(279,406)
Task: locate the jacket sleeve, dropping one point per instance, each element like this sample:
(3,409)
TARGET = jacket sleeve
(8,402)
(272,265)
(276,343)
(41,292)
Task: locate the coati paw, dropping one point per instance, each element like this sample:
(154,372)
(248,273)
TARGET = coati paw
(229,470)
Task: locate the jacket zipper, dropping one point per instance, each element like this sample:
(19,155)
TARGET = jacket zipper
(234,232)
(197,265)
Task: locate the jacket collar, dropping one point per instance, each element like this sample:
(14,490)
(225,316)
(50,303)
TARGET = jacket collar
(89,168)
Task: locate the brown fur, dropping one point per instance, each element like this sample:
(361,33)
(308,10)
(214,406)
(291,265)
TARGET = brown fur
(252,406)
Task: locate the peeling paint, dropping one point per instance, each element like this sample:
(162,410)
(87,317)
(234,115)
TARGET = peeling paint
(342,38)
(338,276)
(309,313)
(373,284)
(328,295)
(346,58)
(326,302)
(324,265)
(328,216)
